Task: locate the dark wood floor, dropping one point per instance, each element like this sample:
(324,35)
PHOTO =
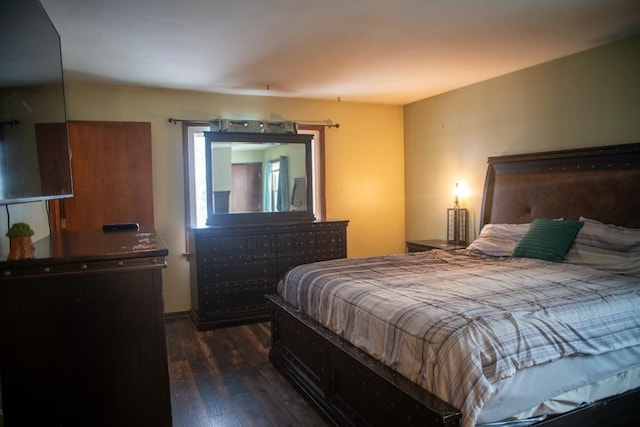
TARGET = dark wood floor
(223,378)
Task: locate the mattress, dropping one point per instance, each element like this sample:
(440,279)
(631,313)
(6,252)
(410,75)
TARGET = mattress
(562,385)
(460,325)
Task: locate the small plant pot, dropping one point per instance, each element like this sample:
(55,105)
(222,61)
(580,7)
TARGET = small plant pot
(20,248)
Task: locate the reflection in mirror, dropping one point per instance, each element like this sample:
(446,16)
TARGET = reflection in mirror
(258,177)
(250,177)
(299,194)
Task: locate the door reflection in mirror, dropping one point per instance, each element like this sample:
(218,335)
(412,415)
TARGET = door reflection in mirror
(256,177)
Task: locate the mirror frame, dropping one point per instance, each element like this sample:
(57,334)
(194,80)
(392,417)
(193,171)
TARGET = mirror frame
(231,218)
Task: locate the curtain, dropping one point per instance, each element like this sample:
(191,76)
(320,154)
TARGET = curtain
(284,202)
(266,186)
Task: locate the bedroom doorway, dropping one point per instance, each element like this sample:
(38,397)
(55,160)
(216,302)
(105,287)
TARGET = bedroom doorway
(246,187)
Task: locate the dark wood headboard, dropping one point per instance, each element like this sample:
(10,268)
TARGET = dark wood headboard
(601,183)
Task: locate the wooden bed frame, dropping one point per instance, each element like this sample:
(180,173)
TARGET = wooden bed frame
(353,389)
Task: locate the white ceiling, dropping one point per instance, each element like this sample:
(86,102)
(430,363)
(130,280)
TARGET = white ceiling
(381,51)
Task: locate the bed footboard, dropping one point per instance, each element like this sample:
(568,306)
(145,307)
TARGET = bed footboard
(349,386)
(353,389)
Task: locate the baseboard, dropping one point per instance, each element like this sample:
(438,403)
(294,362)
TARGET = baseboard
(173,315)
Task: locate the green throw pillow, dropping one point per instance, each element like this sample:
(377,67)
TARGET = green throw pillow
(548,239)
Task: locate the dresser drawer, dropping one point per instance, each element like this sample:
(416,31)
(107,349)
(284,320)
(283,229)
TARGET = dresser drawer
(231,301)
(312,243)
(238,272)
(237,248)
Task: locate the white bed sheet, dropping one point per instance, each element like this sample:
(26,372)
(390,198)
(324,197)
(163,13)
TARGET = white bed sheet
(563,385)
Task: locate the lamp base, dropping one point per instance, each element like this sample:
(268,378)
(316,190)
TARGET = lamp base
(457,226)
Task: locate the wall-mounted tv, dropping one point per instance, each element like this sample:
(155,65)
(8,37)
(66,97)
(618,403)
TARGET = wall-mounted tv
(34,149)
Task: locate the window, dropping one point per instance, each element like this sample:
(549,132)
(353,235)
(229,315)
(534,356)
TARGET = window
(195,173)
(273,188)
(318,168)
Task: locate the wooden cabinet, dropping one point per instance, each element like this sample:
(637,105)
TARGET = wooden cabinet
(112,175)
(82,332)
(234,267)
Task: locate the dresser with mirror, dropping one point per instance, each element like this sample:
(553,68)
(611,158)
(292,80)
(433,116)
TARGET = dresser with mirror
(260,223)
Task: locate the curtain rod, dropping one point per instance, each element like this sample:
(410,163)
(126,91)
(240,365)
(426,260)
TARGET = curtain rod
(174,121)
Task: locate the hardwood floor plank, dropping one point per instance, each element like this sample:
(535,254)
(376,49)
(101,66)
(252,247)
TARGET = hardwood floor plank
(250,411)
(291,409)
(223,378)
(289,401)
(185,396)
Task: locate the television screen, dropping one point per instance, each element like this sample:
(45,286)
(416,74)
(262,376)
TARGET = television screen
(34,149)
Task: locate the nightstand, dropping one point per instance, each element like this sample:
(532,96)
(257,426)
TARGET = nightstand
(427,245)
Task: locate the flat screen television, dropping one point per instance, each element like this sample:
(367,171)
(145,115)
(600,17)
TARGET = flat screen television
(34,148)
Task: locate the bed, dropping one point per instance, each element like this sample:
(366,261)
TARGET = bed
(582,310)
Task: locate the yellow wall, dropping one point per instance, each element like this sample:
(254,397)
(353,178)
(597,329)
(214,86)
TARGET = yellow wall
(388,166)
(588,99)
(364,161)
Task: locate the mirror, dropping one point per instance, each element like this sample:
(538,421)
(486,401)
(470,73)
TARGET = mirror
(258,177)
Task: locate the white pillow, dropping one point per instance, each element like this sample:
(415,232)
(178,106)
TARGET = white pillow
(606,247)
(499,239)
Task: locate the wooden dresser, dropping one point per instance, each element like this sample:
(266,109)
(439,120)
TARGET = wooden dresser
(82,332)
(234,267)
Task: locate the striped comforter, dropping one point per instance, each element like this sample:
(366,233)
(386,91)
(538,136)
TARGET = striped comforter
(457,323)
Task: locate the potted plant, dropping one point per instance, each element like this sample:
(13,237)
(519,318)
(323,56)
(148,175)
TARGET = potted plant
(20,241)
